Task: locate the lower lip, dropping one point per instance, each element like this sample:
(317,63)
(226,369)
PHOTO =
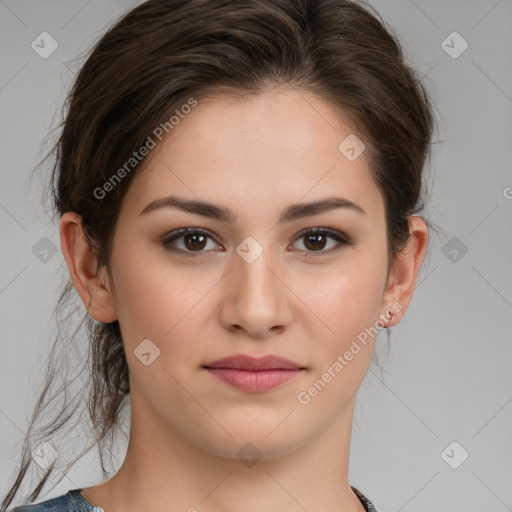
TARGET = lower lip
(246,380)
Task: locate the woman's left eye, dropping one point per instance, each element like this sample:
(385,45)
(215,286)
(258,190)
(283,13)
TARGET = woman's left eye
(195,240)
(316,238)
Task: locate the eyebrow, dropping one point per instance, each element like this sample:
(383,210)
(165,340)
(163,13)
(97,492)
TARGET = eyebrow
(291,213)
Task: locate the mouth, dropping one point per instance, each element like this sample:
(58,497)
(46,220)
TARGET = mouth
(252,374)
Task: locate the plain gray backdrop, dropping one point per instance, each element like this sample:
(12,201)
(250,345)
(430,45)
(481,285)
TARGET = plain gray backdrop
(435,433)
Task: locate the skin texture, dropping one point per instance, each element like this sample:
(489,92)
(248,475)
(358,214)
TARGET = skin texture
(256,157)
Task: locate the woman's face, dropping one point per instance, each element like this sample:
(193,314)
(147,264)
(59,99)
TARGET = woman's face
(253,284)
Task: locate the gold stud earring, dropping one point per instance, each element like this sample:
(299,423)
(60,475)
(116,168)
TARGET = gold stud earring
(393,315)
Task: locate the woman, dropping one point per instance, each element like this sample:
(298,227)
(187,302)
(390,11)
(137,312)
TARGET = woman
(238,184)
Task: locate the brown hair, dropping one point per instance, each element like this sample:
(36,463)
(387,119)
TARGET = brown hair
(150,63)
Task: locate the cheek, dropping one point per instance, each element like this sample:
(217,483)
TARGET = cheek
(160,302)
(152,295)
(349,298)
(349,305)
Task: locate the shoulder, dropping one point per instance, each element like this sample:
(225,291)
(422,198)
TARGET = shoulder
(72,501)
(58,504)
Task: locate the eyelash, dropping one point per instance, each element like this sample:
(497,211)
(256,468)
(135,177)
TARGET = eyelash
(341,239)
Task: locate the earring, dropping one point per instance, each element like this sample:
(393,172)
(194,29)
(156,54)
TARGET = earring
(393,315)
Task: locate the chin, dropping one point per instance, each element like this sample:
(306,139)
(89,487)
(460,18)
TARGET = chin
(256,442)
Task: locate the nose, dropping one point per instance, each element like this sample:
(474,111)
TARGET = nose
(256,297)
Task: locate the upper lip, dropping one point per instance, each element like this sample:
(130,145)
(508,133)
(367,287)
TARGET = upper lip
(247,362)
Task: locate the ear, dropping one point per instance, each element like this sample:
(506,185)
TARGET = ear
(402,278)
(94,290)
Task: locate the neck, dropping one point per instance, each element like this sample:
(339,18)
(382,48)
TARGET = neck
(164,471)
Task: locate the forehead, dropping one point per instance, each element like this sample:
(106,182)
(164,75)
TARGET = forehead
(281,146)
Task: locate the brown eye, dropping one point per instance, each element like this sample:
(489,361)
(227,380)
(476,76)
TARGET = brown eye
(316,240)
(194,241)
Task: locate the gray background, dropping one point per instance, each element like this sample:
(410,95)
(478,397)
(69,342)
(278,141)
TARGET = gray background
(447,377)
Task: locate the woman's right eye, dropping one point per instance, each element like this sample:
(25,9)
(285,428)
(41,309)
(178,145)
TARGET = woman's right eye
(192,239)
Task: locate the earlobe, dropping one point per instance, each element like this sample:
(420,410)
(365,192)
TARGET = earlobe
(403,276)
(82,265)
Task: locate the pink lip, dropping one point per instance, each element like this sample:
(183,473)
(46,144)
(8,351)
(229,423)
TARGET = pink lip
(254,374)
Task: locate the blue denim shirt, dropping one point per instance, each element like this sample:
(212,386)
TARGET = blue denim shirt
(73,501)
